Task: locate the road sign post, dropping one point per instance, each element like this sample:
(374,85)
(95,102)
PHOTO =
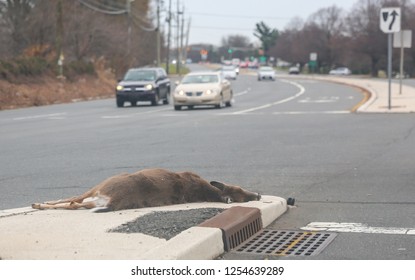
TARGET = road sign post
(390,22)
(402,39)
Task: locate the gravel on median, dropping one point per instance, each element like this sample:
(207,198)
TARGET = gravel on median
(167,224)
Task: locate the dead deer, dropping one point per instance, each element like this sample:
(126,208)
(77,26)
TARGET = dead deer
(149,188)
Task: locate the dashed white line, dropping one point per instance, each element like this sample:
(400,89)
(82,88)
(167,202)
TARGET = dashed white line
(45,116)
(242,92)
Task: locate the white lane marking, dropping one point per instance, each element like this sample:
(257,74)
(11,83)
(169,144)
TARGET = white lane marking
(301,92)
(311,112)
(357,228)
(55,115)
(242,92)
(321,100)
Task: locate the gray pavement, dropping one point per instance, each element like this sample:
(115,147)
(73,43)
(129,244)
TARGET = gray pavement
(28,234)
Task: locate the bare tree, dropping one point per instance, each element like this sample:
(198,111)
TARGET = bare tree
(237,41)
(14,15)
(366,36)
(330,31)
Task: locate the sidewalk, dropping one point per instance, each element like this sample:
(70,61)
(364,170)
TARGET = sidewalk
(378,94)
(28,234)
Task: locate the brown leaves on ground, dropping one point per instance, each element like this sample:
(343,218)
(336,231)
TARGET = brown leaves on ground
(48,90)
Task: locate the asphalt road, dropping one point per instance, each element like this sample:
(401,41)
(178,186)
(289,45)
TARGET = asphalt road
(291,138)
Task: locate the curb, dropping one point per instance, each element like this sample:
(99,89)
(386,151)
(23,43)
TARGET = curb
(206,243)
(45,235)
(16,211)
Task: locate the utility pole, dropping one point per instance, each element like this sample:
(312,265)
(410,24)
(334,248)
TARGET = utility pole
(181,36)
(187,39)
(59,37)
(158,33)
(178,38)
(168,41)
(128,8)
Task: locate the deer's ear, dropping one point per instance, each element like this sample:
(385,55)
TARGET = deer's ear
(218,185)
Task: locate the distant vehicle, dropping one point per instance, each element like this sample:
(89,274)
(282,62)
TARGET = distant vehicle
(253,64)
(244,64)
(340,71)
(203,88)
(294,70)
(143,84)
(229,72)
(236,62)
(266,72)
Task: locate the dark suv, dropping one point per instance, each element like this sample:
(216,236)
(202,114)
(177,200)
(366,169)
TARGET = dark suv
(143,84)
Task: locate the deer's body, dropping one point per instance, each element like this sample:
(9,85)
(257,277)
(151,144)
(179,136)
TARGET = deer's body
(149,188)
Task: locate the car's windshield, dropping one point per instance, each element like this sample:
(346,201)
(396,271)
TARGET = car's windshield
(265,69)
(140,75)
(200,79)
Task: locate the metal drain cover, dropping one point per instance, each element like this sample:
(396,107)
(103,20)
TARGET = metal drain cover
(286,243)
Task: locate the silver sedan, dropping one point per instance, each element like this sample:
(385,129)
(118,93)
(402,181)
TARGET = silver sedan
(203,88)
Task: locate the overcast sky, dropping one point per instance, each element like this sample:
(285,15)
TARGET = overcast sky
(211,20)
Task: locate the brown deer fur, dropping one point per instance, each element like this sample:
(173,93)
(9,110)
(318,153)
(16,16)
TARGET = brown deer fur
(149,188)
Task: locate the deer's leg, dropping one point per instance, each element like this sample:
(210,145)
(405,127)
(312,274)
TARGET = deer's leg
(77,199)
(65,205)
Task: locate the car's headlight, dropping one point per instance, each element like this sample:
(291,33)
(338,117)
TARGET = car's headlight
(149,87)
(120,87)
(211,91)
(180,92)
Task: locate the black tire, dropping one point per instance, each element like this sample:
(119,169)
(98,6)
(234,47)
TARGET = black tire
(155,100)
(177,107)
(120,102)
(166,100)
(229,103)
(220,105)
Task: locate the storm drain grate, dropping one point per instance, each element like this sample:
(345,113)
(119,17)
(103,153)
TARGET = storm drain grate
(286,243)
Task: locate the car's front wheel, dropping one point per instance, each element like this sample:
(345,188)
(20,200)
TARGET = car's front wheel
(120,102)
(220,104)
(229,103)
(155,100)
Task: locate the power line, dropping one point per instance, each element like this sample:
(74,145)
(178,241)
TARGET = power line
(238,16)
(222,28)
(106,9)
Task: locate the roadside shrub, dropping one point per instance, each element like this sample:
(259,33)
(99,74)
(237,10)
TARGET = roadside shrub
(78,67)
(23,66)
